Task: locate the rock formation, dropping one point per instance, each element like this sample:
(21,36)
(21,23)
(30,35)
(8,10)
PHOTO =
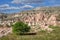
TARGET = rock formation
(38,19)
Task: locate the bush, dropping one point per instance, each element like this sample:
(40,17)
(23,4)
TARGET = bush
(20,27)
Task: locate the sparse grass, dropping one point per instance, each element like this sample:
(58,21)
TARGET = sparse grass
(42,35)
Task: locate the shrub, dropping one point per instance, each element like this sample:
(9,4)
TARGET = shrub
(20,27)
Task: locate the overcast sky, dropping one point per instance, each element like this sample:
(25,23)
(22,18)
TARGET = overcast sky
(13,6)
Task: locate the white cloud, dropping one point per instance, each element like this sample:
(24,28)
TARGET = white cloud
(12,8)
(6,6)
(34,1)
(16,1)
(27,6)
(27,1)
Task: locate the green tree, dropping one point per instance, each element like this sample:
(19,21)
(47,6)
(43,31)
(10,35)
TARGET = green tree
(20,27)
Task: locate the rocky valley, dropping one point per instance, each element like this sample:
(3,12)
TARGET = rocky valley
(39,19)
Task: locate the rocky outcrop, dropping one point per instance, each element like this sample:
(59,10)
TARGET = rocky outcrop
(4,31)
(38,19)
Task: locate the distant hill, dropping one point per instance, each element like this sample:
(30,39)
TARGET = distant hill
(47,10)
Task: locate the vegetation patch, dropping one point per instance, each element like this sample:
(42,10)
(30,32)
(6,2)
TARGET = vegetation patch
(20,27)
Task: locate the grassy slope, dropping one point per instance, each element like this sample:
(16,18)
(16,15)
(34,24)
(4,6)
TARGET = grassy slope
(42,35)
